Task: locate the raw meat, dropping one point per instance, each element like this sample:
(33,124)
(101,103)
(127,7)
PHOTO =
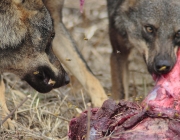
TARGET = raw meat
(157,118)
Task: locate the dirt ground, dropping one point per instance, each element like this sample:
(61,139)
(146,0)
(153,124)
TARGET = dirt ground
(46,116)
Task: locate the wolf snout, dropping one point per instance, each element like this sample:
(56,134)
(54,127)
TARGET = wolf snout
(62,80)
(44,79)
(163,66)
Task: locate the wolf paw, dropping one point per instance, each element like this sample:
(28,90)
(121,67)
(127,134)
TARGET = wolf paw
(9,124)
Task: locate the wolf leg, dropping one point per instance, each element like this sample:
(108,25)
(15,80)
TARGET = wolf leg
(119,65)
(9,124)
(64,47)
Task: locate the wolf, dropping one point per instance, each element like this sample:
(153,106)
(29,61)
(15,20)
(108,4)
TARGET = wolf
(65,48)
(152,27)
(26,33)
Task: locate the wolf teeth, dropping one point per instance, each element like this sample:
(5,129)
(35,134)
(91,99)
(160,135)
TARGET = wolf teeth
(51,82)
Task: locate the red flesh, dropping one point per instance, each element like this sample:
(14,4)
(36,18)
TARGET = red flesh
(156,119)
(165,96)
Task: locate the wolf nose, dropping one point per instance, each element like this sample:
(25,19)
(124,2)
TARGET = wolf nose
(163,66)
(66,79)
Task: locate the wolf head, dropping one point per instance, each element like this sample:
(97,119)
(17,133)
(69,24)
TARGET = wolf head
(153,26)
(26,32)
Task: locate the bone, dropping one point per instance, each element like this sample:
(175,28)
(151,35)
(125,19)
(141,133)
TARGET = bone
(162,68)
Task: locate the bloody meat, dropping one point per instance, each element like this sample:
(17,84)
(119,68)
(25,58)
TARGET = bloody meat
(157,118)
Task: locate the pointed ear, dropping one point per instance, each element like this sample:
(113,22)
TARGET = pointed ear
(128,4)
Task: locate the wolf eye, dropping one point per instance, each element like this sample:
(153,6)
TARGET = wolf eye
(149,29)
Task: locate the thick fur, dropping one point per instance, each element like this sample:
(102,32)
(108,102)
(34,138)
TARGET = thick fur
(152,26)
(26,33)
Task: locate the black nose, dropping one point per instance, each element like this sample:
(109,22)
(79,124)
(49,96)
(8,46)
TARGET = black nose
(66,79)
(163,66)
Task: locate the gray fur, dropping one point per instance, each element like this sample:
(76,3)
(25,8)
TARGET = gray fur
(25,36)
(128,20)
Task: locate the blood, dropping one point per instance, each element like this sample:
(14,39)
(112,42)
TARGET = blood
(156,118)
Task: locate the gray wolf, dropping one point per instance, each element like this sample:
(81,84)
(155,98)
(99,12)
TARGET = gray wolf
(151,26)
(33,40)
(26,33)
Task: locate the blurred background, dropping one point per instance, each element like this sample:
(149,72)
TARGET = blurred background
(47,116)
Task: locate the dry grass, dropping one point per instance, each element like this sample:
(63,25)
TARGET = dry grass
(46,116)
(42,116)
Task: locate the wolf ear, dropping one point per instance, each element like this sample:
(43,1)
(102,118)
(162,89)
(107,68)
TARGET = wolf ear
(128,4)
